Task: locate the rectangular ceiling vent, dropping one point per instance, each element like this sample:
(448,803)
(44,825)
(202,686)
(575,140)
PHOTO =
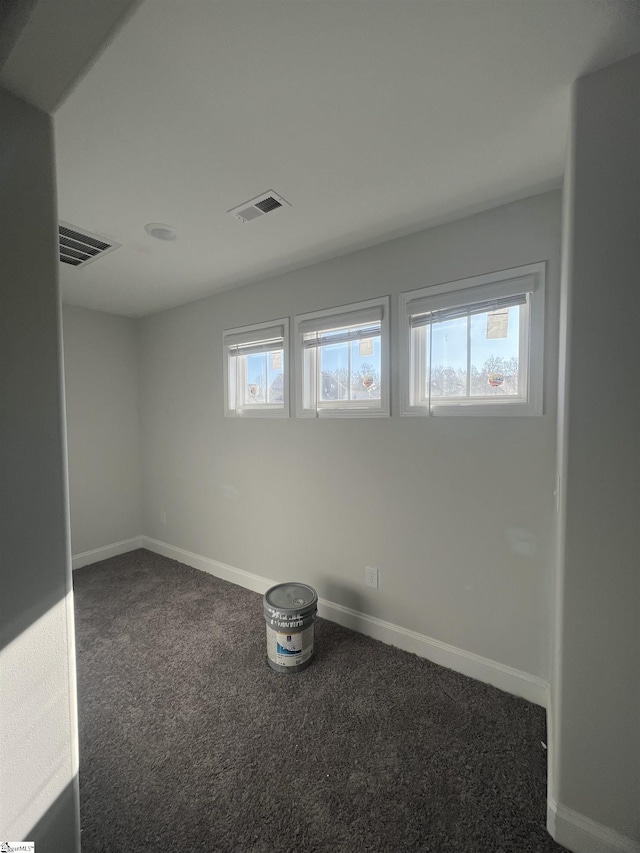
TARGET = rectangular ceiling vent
(258,206)
(78,247)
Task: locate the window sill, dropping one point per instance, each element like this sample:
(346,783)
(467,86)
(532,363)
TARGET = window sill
(514,409)
(258,413)
(342,413)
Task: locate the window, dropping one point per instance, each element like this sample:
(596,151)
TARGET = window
(343,361)
(474,347)
(256,370)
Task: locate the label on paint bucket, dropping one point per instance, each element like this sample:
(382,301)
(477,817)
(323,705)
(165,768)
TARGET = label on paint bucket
(285,620)
(290,649)
(288,644)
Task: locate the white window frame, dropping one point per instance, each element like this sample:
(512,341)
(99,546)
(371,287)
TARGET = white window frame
(307,406)
(234,340)
(529,280)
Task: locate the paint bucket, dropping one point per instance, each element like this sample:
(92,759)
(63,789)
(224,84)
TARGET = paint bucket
(290,611)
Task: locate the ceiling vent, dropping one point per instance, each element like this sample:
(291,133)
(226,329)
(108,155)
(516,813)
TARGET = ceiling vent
(259,206)
(78,248)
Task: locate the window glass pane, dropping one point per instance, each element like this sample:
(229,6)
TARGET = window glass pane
(350,371)
(275,376)
(449,358)
(334,372)
(495,342)
(365,369)
(264,375)
(256,378)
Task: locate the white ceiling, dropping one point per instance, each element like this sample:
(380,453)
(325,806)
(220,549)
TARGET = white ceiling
(373,119)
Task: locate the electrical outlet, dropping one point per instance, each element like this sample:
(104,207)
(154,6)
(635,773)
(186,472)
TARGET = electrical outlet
(163,517)
(371,577)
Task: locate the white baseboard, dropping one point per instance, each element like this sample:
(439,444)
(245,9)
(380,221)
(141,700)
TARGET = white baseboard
(583,835)
(113,550)
(257,583)
(483,669)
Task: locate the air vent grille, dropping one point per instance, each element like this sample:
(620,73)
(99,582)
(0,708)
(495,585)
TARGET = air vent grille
(78,248)
(268,204)
(259,206)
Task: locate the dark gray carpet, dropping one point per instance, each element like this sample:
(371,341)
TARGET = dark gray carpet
(190,742)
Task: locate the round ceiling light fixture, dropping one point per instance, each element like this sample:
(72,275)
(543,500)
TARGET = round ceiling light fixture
(160,231)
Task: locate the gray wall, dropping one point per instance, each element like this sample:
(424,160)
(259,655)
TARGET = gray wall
(430,502)
(596,686)
(38,736)
(101,382)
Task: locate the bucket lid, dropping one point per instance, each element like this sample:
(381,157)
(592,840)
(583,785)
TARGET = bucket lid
(294,597)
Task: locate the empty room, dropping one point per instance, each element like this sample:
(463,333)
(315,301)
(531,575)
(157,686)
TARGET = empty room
(320,426)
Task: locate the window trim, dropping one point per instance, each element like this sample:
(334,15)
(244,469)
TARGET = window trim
(256,332)
(530,279)
(337,409)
